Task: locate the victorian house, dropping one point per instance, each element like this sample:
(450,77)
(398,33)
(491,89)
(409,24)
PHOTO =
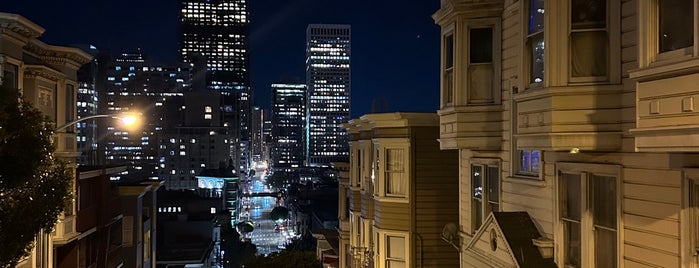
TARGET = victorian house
(400,193)
(106,225)
(576,131)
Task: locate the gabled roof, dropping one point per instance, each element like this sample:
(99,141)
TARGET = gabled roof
(510,236)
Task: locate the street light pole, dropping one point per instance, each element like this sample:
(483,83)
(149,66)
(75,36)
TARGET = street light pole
(126,119)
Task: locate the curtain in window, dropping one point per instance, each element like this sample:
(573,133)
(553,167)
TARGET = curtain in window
(394,172)
(588,53)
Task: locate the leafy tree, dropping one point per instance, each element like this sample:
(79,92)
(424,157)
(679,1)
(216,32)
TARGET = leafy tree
(279,214)
(285,259)
(34,186)
(235,250)
(304,243)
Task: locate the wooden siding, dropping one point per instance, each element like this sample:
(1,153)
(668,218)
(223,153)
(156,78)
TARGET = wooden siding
(435,200)
(392,215)
(355,201)
(650,182)
(651,208)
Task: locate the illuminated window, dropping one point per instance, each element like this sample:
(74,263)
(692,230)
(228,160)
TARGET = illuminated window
(485,183)
(207,116)
(528,162)
(207,109)
(535,42)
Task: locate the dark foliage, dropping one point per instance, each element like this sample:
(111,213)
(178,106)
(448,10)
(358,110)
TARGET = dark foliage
(236,251)
(305,243)
(34,186)
(285,259)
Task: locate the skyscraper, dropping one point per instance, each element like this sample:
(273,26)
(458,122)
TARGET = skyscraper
(288,123)
(328,102)
(130,83)
(217,31)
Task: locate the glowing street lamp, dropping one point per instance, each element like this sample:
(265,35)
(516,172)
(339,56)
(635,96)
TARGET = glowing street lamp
(127,119)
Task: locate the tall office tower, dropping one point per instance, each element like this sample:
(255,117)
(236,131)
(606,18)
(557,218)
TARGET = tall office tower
(328,102)
(87,106)
(256,136)
(194,139)
(266,134)
(218,32)
(136,85)
(288,123)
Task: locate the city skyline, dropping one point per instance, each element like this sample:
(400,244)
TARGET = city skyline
(385,38)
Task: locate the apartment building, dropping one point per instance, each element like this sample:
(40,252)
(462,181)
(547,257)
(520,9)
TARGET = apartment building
(577,119)
(401,192)
(46,76)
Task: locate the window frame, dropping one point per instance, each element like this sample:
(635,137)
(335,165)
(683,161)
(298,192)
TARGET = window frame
(689,218)
(586,171)
(526,56)
(381,188)
(448,91)
(383,246)
(613,45)
(485,164)
(367,166)
(463,96)
(649,45)
(527,174)
(355,165)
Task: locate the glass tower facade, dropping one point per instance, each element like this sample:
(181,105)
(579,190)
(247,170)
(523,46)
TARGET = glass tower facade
(288,123)
(328,102)
(216,32)
(133,84)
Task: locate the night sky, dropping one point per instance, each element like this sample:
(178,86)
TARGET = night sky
(395,43)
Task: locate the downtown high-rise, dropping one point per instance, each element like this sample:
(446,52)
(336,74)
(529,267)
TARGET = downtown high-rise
(328,103)
(288,124)
(130,83)
(216,32)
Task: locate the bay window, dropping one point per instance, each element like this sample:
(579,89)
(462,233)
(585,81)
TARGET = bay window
(535,42)
(395,173)
(448,70)
(392,174)
(589,45)
(482,77)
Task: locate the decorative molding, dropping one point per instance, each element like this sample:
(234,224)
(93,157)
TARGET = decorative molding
(19,28)
(42,71)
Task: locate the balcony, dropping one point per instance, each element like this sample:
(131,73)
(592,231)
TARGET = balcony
(561,118)
(667,119)
(65,230)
